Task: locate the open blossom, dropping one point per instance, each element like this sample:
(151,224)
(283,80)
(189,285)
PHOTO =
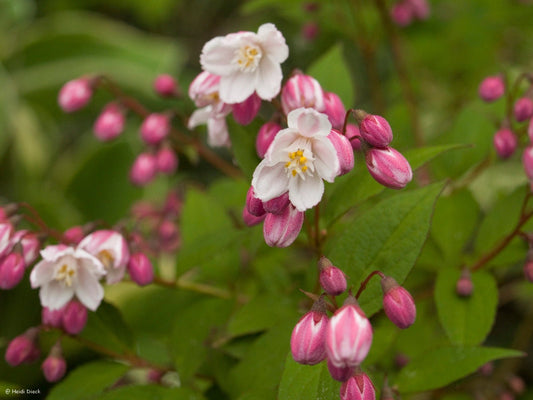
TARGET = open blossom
(297,161)
(64,272)
(247,62)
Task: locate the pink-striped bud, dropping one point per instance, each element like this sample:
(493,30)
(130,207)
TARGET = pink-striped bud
(491,88)
(52,318)
(250,219)
(12,270)
(73,235)
(30,245)
(245,112)
(332,279)
(389,167)
(375,130)
(420,8)
(265,136)
(464,286)
(358,387)
(23,348)
(302,91)
(505,143)
(167,160)
(344,150)
(341,374)
(165,86)
(308,336)
(144,169)
(281,230)
(110,123)
(334,109)
(75,94)
(74,317)
(140,269)
(523,109)
(349,335)
(527,161)
(6,233)
(398,303)
(54,366)
(354,136)
(278,204)
(155,128)
(253,204)
(402,14)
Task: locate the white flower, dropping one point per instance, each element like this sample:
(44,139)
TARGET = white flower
(297,161)
(247,62)
(64,272)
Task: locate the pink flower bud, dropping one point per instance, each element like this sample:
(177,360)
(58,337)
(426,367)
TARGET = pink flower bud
(281,230)
(168,235)
(140,269)
(265,136)
(505,142)
(253,204)
(110,123)
(278,204)
(245,112)
(341,374)
(354,136)
(375,130)
(173,203)
(143,169)
(23,348)
(398,303)
(401,360)
(344,151)
(516,384)
(332,279)
(73,235)
(507,396)
(54,366)
(310,30)
(464,286)
(302,91)
(358,387)
(52,318)
(75,94)
(308,337)
(349,335)
(486,369)
(251,220)
(334,109)
(491,88)
(402,14)
(74,317)
(167,161)
(530,130)
(12,270)
(389,167)
(6,233)
(420,8)
(29,243)
(165,86)
(527,161)
(155,128)
(528,270)
(204,89)
(523,109)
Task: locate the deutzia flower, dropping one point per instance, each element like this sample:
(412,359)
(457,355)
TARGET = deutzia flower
(204,91)
(64,272)
(297,161)
(247,62)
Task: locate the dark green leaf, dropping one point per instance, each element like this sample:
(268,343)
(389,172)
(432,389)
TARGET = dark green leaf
(243,145)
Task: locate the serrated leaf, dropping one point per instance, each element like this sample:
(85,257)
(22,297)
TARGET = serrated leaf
(466,320)
(87,381)
(302,382)
(442,366)
(388,238)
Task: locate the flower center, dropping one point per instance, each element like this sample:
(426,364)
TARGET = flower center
(107,259)
(248,57)
(65,274)
(297,164)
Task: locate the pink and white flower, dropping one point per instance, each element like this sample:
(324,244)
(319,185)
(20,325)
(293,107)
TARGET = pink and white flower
(247,62)
(297,161)
(65,272)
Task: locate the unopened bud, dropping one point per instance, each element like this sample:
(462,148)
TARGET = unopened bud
(250,219)
(140,269)
(165,86)
(265,136)
(281,230)
(491,88)
(302,91)
(144,169)
(354,136)
(516,384)
(30,245)
(52,318)
(253,204)
(401,360)
(308,336)
(344,150)
(245,112)
(23,348)
(420,8)
(332,279)
(486,369)
(389,167)
(110,123)
(376,131)
(527,161)
(310,30)
(168,235)
(12,270)
(75,95)
(54,366)
(464,286)
(523,109)
(6,233)
(334,109)
(402,14)
(167,161)
(398,303)
(278,204)
(505,142)
(74,317)
(74,235)
(341,374)
(358,387)
(155,128)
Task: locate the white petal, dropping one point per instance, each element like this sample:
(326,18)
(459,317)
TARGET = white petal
(115,275)
(326,158)
(55,295)
(273,43)
(42,273)
(199,117)
(237,87)
(268,83)
(217,132)
(53,252)
(269,181)
(278,150)
(88,290)
(89,262)
(305,194)
(217,56)
(309,122)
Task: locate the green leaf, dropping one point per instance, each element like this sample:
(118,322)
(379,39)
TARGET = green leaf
(107,328)
(388,238)
(243,145)
(152,392)
(466,320)
(87,381)
(442,366)
(302,382)
(420,156)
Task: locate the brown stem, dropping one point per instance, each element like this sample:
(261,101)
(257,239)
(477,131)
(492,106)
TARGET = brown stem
(38,221)
(365,282)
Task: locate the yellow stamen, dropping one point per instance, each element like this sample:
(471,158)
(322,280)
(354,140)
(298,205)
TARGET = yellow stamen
(287,164)
(304,168)
(299,153)
(303,160)
(294,172)
(292,155)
